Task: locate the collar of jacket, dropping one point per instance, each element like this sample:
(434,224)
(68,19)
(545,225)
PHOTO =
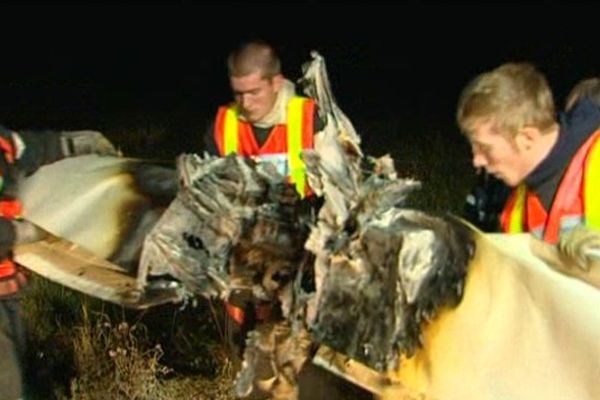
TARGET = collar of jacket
(576,126)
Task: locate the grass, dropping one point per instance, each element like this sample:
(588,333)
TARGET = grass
(84,349)
(81,348)
(115,359)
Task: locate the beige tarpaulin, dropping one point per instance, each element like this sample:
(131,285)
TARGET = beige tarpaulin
(87,199)
(98,210)
(522,331)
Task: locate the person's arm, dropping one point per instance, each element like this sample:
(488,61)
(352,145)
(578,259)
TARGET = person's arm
(39,148)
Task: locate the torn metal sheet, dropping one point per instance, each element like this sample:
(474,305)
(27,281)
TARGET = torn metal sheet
(72,266)
(392,274)
(234,225)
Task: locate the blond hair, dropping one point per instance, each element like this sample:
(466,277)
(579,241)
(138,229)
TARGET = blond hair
(254,56)
(589,88)
(513,96)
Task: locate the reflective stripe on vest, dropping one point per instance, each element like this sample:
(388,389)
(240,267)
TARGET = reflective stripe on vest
(294,127)
(231,141)
(7,268)
(11,279)
(515,223)
(589,193)
(294,136)
(591,185)
(10,209)
(8,149)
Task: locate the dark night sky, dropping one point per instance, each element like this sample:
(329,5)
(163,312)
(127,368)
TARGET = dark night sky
(396,60)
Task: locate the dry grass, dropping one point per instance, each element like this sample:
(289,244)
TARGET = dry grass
(119,361)
(115,361)
(84,349)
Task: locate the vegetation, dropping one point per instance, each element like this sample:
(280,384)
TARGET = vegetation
(84,349)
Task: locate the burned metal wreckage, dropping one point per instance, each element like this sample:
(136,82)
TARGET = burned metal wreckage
(361,276)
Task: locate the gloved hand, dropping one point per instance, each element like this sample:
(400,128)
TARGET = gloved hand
(75,143)
(580,247)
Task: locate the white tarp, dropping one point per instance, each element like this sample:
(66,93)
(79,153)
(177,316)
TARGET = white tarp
(98,210)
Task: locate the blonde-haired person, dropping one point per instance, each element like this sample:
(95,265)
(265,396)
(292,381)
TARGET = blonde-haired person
(508,116)
(487,198)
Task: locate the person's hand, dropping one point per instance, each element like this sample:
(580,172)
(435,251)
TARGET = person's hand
(580,247)
(75,143)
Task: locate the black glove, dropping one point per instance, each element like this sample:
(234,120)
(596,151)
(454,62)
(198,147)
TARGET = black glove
(76,143)
(485,203)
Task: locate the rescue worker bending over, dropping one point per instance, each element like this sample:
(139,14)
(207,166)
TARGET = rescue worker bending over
(553,166)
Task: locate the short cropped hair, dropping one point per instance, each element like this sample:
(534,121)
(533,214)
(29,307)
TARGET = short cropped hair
(513,96)
(254,56)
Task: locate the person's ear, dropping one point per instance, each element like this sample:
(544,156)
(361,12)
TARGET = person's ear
(526,138)
(277,82)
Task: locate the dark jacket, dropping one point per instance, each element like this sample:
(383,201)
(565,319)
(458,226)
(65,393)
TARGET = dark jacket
(485,202)
(576,126)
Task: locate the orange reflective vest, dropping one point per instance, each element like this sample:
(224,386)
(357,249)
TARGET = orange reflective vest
(11,278)
(576,202)
(284,145)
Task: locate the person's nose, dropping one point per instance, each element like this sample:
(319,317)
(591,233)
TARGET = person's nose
(479,161)
(243,100)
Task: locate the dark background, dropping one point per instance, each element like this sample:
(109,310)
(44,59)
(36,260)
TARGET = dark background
(396,68)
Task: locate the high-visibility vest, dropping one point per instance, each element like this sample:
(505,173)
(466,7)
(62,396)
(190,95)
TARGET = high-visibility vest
(284,145)
(577,199)
(11,278)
